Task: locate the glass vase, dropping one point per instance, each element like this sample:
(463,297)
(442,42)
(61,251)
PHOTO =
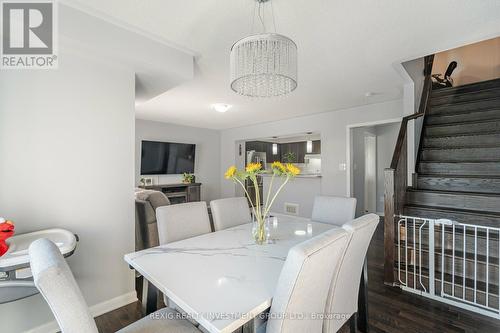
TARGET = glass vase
(260,229)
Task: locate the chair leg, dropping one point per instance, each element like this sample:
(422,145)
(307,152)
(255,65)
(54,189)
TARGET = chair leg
(363,300)
(353,323)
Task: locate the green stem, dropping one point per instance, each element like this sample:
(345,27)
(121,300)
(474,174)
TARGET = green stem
(276,194)
(257,194)
(248,195)
(269,191)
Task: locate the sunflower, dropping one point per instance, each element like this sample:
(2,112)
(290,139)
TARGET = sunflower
(253,167)
(231,172)
(278,166)
(292,169)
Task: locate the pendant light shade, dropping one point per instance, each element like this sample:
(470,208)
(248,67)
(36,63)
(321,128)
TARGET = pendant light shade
(264,65)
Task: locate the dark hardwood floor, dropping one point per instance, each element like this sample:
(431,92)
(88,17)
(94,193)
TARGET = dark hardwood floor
(390,309)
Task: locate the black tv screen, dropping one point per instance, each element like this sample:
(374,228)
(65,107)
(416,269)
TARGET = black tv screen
(159,158)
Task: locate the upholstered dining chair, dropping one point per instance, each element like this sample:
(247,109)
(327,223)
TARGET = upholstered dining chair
(230,212)
(181,221)
(54,279)
(342,302)
(178,222)
(333,210)
(304,283)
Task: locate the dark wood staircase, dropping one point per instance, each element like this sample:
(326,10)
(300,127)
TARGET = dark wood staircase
(458,166)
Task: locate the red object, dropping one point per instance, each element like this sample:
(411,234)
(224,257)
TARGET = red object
(6,231)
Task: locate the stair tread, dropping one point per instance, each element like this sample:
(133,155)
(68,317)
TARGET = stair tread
(462,161)
(467,193)
(463,102)
(493,145)
(438,175)
(461,134)
(438,116)
(462,123)
(453,90)
(459,113)
(456,210)
(436,93)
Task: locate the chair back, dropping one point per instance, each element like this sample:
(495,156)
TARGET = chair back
(56,283)
(342,299)
(146,231)
(304,283)
(333,210)
(181,221)
(230,212)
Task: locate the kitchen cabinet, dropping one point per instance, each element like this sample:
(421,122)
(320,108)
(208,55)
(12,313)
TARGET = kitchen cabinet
(290,148)
(298,149)
(316,147)
(269,153)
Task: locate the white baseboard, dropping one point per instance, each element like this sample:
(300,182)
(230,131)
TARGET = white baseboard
(95,310)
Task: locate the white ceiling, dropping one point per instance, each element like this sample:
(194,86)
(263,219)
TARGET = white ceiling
(346,48)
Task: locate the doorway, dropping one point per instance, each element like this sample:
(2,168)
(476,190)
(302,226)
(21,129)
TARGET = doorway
(370,152)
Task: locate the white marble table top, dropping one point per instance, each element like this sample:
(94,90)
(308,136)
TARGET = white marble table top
(223,279)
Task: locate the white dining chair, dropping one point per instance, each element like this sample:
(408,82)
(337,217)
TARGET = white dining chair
(178,222)
(304,283)
(55,281)
(333,210)
(342,302)
(181,221)
(230,212)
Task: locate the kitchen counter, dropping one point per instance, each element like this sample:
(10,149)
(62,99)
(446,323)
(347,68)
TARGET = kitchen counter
(302,175)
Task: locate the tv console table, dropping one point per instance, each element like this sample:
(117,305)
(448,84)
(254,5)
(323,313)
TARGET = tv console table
(179,193)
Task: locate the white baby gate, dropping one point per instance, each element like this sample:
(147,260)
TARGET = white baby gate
(450,262)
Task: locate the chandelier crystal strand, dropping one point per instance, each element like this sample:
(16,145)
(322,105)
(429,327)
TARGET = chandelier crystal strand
(264,65)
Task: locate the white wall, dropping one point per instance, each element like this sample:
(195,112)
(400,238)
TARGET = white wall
(207,163)
(476,62)
(412,91)
(67,160)
(332,126)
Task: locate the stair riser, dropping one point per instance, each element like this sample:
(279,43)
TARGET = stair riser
(462,107)
(464,117)
(491,84)
(491,126)
(469,154)
(468,97)
(459,201)
(480,185)
(463,141)
(483,220)
(480,169)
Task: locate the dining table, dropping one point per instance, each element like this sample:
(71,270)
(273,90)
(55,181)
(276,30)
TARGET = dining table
(224,280)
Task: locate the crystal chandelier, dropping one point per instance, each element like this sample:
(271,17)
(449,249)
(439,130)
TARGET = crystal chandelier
(264,65)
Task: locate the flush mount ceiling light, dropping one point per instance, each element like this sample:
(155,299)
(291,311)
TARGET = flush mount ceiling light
(221,107)
(265,64)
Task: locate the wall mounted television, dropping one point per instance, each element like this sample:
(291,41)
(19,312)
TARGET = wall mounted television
(161,158)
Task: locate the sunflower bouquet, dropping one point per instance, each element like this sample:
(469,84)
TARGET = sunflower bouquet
(279,170)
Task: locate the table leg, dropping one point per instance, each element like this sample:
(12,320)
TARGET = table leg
(149,297)
(363,300)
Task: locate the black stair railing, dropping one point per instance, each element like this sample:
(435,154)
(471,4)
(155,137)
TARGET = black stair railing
(396,176)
